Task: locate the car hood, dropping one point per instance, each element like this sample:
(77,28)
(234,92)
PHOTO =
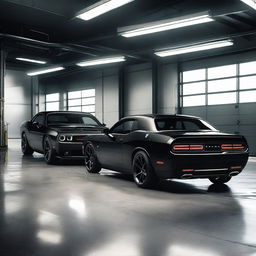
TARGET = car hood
(176,134)
(76,129)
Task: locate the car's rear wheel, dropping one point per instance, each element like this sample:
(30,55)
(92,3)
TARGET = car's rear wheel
(49,152)
(91,162)
(143,172)
(26,149)
(220,180)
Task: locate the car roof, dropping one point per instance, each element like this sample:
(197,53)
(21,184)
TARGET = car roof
(63,112)
(155,116)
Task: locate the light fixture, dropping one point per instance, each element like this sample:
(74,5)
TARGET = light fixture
(194,48)
(44,71)
(163,25)
(31,60)
(251,3)
(100,8)
(101,61)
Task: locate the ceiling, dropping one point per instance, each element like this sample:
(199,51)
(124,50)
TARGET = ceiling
(62,38)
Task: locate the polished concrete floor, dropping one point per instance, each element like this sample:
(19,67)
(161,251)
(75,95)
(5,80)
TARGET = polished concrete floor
(62,210)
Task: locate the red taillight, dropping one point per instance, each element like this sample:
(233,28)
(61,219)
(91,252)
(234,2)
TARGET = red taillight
(187,147)
(231,146)
(187,170)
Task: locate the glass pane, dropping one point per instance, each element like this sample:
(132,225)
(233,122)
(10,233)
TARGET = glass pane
(88,101)
(88,93)
(76,102)
(222,98)
(194,88)
(194,75)
(53,97)
(53,106)
(222,85)
(222,71)
(249,96)
(75,108)
(74,95)
(190,101)
(248,82)
(248,68)
(88,108)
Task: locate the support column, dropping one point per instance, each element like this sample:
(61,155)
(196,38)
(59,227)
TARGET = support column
(2,73)
(155,82)
(121,91)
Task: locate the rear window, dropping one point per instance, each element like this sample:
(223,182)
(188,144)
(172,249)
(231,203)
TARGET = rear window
(163,124)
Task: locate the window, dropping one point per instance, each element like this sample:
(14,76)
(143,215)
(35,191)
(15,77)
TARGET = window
(52,102)
(126,127)
(82,101)
(75,119)
(230,84)
(181,124)
(39,119)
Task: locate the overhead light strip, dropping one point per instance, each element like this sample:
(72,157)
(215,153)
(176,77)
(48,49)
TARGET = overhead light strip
(164,25)
(251,3)
(44,71)
(101,61)
(195,48)
(31,60)
(101,8)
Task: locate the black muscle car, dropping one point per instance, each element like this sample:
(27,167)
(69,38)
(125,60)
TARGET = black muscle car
(58,134)
(154,147)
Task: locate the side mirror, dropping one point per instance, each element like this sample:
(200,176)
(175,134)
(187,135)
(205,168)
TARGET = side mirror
(106,130)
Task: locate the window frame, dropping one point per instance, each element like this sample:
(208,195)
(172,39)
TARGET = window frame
(52,101)
(238,89)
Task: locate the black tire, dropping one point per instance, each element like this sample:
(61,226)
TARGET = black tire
(220,180)
(49,152)
(90,159)
(143,172)
(26,149)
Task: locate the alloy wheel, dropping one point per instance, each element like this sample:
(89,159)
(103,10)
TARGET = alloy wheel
(140,169)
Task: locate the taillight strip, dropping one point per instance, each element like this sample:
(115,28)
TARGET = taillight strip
(232,146)
(181,147)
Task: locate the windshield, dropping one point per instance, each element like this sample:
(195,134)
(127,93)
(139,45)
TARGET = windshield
(184,124)
(72,119)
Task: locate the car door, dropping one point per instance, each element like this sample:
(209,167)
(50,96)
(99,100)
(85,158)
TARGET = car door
(36,132)
(112,148)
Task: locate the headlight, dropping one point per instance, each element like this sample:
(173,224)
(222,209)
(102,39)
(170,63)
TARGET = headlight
(69,138)
(62,138)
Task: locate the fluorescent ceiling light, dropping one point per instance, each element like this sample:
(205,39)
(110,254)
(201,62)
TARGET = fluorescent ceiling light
(101,61)
(194,48)
(44,71)
(251,3)
(30,60)
(163,25)
(100,8)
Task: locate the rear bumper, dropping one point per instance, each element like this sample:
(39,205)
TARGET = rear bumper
(202,165)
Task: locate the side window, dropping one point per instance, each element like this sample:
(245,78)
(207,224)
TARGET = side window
(126,127)
(179,125)
(39,119)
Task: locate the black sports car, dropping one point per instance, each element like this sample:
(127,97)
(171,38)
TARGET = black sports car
(154,147)
(58,134)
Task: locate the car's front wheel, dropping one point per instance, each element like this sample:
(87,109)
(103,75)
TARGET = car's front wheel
(143,172)
(220,180)
(26,149)
(91,162)
(49,152)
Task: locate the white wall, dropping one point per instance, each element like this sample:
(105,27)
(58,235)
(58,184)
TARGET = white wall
(17,100)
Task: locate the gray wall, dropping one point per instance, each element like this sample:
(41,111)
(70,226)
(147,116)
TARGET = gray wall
(232,118)
(17,100)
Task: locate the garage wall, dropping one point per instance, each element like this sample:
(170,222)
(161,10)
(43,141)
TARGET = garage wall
(231,118)
(18,95)
(138,90)
(105,82)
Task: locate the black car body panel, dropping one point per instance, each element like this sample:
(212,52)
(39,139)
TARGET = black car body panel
(115,150)
(36,132)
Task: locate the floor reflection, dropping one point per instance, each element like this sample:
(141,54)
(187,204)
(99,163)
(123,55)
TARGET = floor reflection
(62,210)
